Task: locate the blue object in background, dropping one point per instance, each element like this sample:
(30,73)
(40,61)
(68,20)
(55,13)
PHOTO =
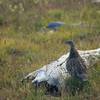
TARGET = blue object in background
(55,25)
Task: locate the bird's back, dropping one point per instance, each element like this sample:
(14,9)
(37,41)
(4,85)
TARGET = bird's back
(77,68)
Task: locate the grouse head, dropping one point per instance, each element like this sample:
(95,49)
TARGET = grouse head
(70,42)
(73,50)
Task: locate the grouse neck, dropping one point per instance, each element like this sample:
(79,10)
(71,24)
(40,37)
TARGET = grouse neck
(73,52)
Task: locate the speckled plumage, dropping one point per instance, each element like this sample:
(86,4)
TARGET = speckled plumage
(75,64)
(57,69)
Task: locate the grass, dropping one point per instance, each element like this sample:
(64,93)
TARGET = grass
(19,58)
(25,50)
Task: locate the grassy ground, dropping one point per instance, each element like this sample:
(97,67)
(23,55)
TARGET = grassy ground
(21,53)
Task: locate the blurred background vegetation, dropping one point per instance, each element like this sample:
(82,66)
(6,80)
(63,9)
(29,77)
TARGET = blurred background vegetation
(24,47)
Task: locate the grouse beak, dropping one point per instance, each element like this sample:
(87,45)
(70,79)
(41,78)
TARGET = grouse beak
(67,42)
